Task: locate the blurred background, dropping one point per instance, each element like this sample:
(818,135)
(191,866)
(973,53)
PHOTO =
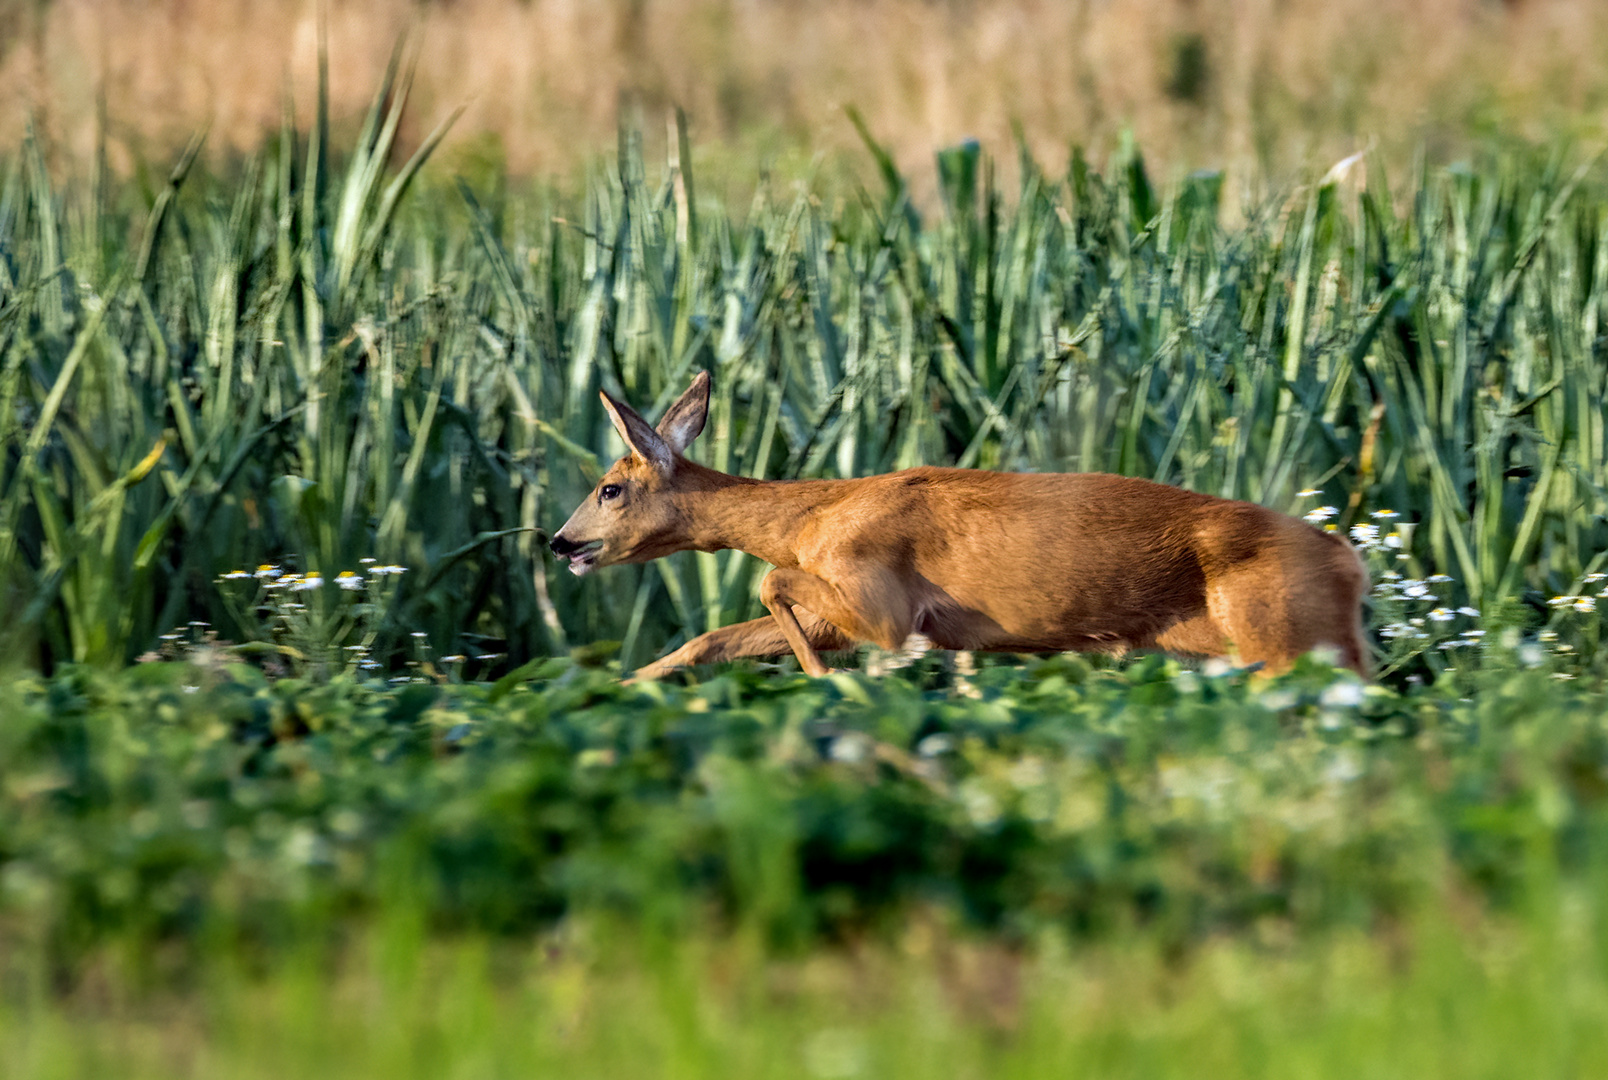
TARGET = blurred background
(1256,88)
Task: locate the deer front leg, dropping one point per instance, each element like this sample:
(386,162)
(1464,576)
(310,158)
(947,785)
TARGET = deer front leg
(877,611)
(757,637)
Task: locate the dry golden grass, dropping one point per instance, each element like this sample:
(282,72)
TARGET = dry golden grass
(1254,86)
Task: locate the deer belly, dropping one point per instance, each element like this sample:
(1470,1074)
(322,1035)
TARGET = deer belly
(1027,620)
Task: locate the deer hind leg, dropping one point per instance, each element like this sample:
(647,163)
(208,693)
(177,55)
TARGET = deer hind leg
(1273,622)
(757,637)
(879,614)
(1198,635)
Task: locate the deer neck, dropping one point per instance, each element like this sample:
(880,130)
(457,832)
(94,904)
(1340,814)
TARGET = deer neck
(761,517)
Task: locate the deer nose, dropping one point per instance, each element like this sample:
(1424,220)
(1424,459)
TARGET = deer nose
(562,545)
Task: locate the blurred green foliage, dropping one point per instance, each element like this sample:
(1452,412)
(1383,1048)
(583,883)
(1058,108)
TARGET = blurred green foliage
(192,804)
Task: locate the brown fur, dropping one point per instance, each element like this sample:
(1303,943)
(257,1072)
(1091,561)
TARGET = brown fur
(1018,562)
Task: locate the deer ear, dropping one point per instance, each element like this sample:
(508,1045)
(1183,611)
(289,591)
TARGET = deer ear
(642,439)
(685,419)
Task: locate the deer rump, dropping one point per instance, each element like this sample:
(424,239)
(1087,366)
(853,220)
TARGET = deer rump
(1020,562)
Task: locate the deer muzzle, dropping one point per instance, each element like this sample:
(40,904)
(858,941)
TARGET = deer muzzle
(582,557)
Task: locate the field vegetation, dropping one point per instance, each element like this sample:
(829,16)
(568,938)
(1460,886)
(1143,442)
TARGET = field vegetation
(1040,865)
(311,760)
(303,368)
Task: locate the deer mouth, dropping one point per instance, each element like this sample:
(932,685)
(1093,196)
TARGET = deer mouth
(583,560)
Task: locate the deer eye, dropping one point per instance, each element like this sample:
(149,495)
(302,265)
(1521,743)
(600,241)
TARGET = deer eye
(608,491)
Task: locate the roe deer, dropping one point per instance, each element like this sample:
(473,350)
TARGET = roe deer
(1016,562)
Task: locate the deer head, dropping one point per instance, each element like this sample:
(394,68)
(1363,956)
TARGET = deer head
(629,516)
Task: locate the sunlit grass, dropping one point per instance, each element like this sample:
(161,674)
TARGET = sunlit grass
(1430,997)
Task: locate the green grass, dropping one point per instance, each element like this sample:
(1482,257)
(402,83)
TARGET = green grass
(1430,1002)
(316,361)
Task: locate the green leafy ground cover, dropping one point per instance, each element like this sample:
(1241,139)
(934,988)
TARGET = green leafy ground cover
(1060,797)
(1045,864)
